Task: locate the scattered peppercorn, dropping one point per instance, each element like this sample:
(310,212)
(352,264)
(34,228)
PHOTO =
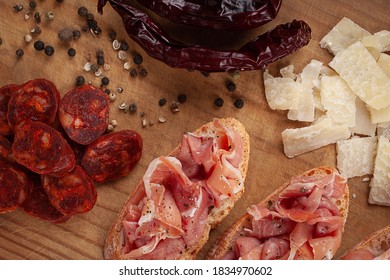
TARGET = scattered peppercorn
(133,72)
(231,86)
(112,35)
(18,8)
(124,46)
(133,108)
(82,11)
(37,17)
(162,102)
(65,35)
(138,59)
(49,50)
(218,102)
(143,72)
(182,98)
(105,81)
(36,30)
(39,45)
(107,91)
(100,61)
(80,80)
(76,34)
(239,103)
(19,52)
(90,16)
(32,4)
(71,52)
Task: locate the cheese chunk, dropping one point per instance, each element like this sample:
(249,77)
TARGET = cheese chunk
(355,156)
(363,125)
(281,93)
(377,43)
(363,75)
(338,100)
(325,131)
(343,34)
(383,129)
(309,80)
(380,182)
(379,116)
(384,63)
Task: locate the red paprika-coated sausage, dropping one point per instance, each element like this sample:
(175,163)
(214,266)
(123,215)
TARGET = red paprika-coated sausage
(42,149)
(71,194)
(5,95)
(35,100)
(84,113)
(112,155)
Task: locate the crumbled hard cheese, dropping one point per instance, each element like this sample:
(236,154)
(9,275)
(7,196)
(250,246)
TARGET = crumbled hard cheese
(355,156)
(338,100)
(325,131)
(380,182)
(343,34)
(363,75)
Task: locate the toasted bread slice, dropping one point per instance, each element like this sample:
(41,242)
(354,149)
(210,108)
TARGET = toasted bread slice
(112,247)
(376,245)
(226,242)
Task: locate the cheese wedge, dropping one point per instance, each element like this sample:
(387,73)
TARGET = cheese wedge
(342,35)
(377,43)
(363,75)
(355,156)
(363,125)
(380,182)
(325,131)
(384,63)
(338,100)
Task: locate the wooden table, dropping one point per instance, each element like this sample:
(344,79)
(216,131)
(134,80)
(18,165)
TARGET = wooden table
(82,237)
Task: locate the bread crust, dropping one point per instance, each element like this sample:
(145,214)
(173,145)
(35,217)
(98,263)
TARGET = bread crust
(216,215)
(226,242)
(377,243)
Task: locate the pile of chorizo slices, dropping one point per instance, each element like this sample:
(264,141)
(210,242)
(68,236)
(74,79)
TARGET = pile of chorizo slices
(53,150)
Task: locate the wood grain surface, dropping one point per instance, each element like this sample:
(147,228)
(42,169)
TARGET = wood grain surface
(82,237)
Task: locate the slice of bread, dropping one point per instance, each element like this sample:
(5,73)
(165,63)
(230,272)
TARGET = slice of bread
(112,247)
(226,242)
(377,243)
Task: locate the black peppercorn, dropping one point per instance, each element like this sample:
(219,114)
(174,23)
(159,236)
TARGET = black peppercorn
(37,17)
(112,35)
(124,46)
(71,52)
(218,102)
(231,86)
(82,11)
(182,98)
(143,72)
(107,91)
(105,81)
(80,80)
(138,59)
(32,4)
(49,50)
(133,72)
(162,102)
(100,60)
(76,34)
(65,35)
(19,52)
(18,8)
(133,108)
(239,103)
(39,45)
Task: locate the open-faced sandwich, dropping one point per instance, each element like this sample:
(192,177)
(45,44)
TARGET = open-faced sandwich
(182,196)
(302,219)
(376,246)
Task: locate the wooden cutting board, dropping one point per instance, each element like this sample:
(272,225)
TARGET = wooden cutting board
(82,237)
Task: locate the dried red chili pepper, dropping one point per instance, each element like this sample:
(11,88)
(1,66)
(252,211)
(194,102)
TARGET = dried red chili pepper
(256,54)
(216,14)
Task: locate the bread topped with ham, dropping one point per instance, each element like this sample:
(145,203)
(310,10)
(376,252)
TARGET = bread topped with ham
(302,219)
(181,197)
(376,246)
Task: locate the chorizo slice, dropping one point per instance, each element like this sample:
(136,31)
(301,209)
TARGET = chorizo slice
(84,113)
(14,186)
(112,155)
(6,149)
(5,95)
(71,194)
(35,100)
(37,204)
(42,149)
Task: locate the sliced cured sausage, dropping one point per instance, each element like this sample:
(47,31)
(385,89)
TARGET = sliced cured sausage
(72,194)
(5,95)
(37,204)
(35,100)
(6,149)
(84,113)
(14,186)
(42,149)
(112,155)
